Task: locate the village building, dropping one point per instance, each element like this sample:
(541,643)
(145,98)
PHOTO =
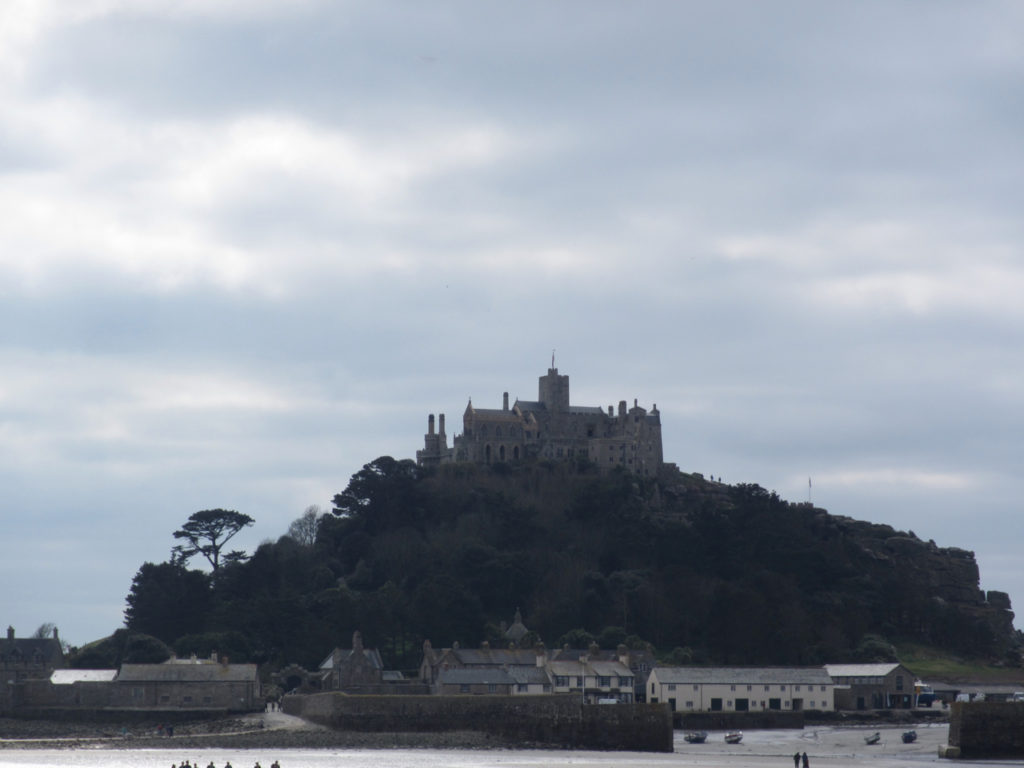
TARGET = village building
(352,669)
(550,427)
(26,659)
(887,685)
(741,689)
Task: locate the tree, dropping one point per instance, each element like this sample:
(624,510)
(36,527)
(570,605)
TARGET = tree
(167,601)
(207,532)
(303,530)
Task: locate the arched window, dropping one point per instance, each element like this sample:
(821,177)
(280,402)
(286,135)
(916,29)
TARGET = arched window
(487,454)
(501,453)
(515,452)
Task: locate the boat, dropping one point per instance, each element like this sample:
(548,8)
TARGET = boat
(734,737)
(909,737)
(696,737)
(874,738)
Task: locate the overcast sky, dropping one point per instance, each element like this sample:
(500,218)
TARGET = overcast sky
(246,247)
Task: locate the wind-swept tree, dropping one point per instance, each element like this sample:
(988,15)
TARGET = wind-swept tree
(207,532)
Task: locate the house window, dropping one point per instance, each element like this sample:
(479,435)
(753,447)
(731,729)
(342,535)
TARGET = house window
(696,687)
(603,681)
(782,687)
(579,681)
(464,688)
(562,681)
(689,705)
(522,687)
(672,687)
(899,682)
(732,687)
(492,688)
(797,688)
(750,687)
(767,687)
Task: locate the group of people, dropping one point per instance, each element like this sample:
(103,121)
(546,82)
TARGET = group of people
(187,764)
(801,758)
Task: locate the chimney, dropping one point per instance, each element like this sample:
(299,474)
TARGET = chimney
(55,635)
(441,425)
(430,424)
(10,632)
(622,407)
(504,401)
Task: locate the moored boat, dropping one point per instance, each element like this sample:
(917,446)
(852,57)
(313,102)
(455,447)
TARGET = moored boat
(874,738)
(696,737)
(734,737)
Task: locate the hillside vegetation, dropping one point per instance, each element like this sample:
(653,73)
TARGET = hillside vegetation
(704,572)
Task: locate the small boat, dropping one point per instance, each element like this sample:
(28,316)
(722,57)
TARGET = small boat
(734,737)
(696,737)
(874,738)
(909,737)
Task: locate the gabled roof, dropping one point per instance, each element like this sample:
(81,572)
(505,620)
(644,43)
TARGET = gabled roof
(475,677)
(477,657)
(372,655)
(743,675)
(24,649)
(861,670)
(611,667)
(534,675)
(194,673)
(70,676)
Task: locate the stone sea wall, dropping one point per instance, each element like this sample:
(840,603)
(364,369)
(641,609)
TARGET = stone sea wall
(551,721)
(987,729)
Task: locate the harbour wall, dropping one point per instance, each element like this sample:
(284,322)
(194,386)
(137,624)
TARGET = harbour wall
(987,729)
(541,721)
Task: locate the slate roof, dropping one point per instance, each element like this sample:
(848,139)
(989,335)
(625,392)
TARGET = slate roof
(23,650)
(494,656)
(744,675)
(529,675)
(861,670)
(475,677)
(180,673)
(70,676)
(372,655)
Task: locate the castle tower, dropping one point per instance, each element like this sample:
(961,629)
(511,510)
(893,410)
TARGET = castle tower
(553,391)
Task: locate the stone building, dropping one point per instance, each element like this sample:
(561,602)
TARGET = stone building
(886,685)
(550,428)
(24,660)
(742,689)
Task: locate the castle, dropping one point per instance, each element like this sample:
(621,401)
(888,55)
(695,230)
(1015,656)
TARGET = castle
(550,428)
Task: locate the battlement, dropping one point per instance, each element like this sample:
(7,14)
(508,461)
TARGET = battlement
(550,428)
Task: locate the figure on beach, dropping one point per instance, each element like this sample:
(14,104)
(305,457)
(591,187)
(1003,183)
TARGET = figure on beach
(796,760)
(807,762)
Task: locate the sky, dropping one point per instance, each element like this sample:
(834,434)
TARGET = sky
(246,247)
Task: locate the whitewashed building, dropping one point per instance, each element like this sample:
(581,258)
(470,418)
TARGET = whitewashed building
(742,689)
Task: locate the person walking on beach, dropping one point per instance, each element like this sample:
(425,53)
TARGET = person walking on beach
(807,762)
(796,760)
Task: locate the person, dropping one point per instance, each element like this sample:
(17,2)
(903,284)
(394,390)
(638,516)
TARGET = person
(275,764)
(805,760)
(796,760)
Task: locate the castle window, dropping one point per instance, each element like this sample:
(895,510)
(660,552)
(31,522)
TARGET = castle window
(501,453)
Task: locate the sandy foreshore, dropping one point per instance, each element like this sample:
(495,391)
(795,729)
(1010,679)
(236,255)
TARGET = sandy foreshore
(835,745)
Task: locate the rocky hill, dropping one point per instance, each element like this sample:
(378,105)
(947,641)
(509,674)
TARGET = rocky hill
(706,572)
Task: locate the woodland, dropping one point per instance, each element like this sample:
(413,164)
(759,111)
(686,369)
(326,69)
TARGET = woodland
(699,571)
